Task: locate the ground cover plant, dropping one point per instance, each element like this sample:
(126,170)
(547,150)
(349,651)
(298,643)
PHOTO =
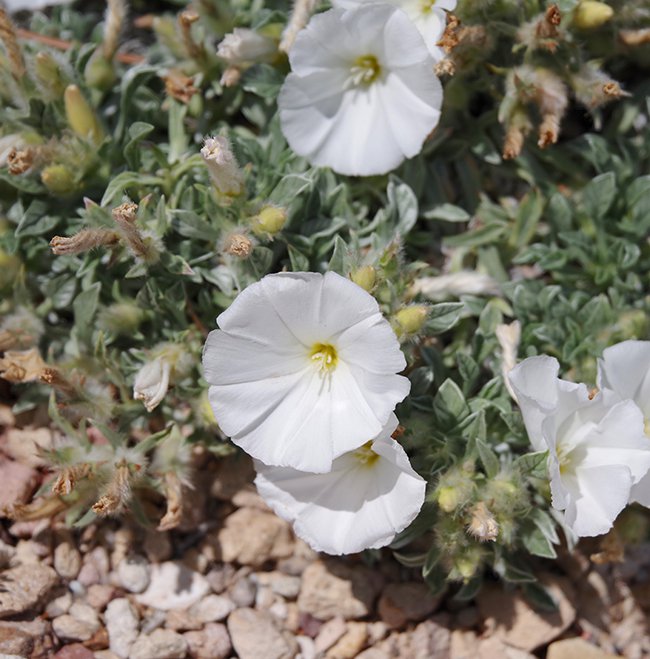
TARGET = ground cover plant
(413,224)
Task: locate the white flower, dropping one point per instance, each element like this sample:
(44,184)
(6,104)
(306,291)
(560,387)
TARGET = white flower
(455,284)
(625,369)
(31,5)
(222,165)
(429,16)
(597,448)
(243,46)
(303,369)
(370,495)
(151,383)
(362,95)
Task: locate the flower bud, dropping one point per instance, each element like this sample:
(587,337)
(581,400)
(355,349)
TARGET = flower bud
(365,276)
(222,165)
(99,72)
(448,499)
(81,118)
(482,524)
(589,14)
(48,72)
(58,179)
(151,383)
(410,320)
(9,268)
(271,219)
(243,46)
(121,318)
(467,563)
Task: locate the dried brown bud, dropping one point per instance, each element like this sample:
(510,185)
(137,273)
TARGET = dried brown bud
(20,161)
(54,378)
(449,39)
(22,365)
(238,245)
(67,478)
(482,525)
(125,216)
(445,67)
(179,86)
(118,492)
(83,241)
(186,19)
(174,495)
(230,77)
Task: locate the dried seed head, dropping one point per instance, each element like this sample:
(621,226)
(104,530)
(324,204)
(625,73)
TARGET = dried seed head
(449,39)
(10,41)
(21,161)
(179,86)
(83,241)
(115,14)
(22,365)
(483,526)
(238,245)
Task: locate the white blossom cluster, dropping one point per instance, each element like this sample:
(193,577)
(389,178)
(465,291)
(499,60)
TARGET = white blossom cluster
(303,376)
(362,95)
(598,442)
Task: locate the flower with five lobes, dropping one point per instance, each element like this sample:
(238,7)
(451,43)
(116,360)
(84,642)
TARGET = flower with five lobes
(370,495)
(625,369)
(428,16)
(597,448)
(303,369)
(362,95)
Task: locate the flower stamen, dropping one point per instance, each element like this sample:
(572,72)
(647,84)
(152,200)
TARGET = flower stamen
(324,356)
(426,6)
(365,70)
(365,455)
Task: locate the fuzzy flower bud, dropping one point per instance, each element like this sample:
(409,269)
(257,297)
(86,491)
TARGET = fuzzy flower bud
(483,526)
(243,46)
(410,320)
(465,282)
(81,117)
(121,318)
(48,72)
(10,40)
(21,329)
(154,378)
(300,14)
(455,488)
(222,165)
(508,337)
(589,14)
(365,276)
(58,179)
(141,245)
(270,219)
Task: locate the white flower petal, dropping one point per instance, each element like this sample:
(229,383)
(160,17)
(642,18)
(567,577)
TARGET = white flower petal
(625,368)
(640,492)
(353,507)
(598,494)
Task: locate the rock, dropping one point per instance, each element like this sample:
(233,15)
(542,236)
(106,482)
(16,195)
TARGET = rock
(74,651)
(403,602)
(329,633)
(105,654)
(428,640)
(576,648)
(16,642)
(133,573)
(24,588)
(254,636)
(80,624)
(212,642)
(516,623)
(95,567)
(243,592)
(18,482)
(212,608)
(122,623)
(59,605)
(220,577)
(162,643)
(173,586)
(99,595)
(67,560)
(39,630)
(463,644)
(234,473)
(25,445)
(330,589)
(157,546)
(181,621)
(306,647)
(252,537)
(281,584)
(495,648)
(351,643)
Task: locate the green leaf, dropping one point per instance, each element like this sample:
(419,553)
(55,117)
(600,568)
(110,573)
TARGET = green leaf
(598,195)
(528,216)
(340,261)
(299,262)
(537,543)
(118,186)
(262,80)
(485,235)
(447,213)
(488,458)
(540,598)
(138,130)
(402,198)
(449,404)
(533,465)
(443,316)
(85,305)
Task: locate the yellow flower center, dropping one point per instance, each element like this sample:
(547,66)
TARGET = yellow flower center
(365,455)
(365,70)
(646,426)
(426,6)
(324,356)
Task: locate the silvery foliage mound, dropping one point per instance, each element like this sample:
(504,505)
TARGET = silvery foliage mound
(531,199)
